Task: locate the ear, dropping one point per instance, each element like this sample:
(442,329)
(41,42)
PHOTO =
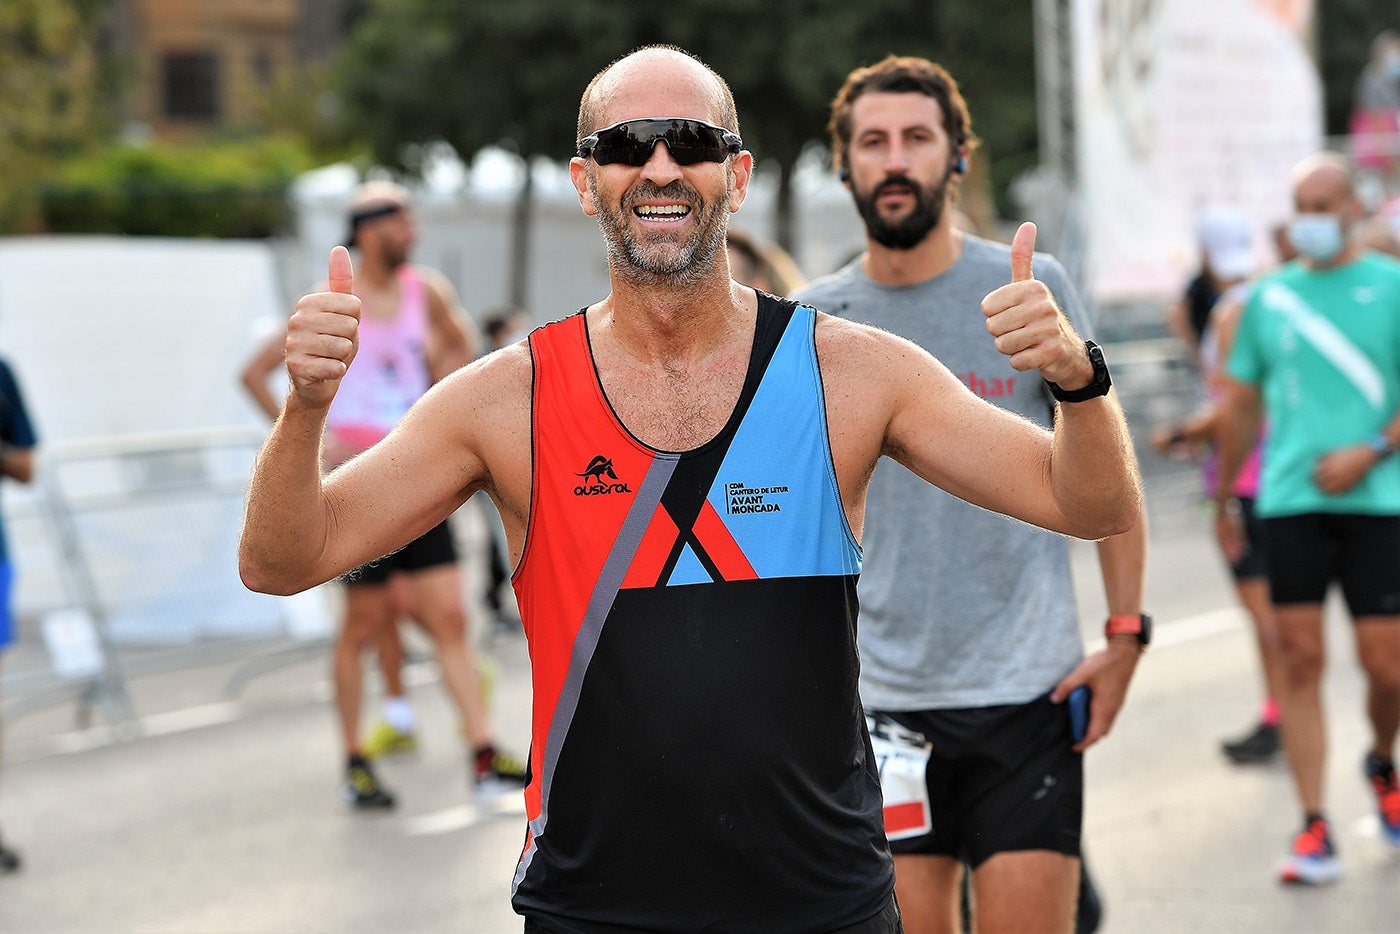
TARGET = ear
(742,167)
(578,173)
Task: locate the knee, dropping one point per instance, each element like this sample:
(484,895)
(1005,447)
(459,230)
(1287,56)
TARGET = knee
(1302,665)
(446,627)
(1382,674)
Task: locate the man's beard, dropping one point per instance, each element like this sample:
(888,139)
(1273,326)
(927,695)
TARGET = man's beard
(909,231)
(647,261)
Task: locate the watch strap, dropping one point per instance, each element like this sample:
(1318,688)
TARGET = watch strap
(1125,624)
(1137,625)
(1097,387)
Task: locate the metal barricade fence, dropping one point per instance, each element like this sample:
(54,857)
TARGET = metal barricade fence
(129,556)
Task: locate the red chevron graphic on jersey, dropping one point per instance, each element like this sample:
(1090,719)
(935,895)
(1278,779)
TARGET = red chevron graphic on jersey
(719,544)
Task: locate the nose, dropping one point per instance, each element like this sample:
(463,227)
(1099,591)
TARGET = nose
(661,167)
(896,158)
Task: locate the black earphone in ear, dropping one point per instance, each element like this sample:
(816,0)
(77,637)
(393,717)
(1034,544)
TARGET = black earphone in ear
(844,174)
(961,165)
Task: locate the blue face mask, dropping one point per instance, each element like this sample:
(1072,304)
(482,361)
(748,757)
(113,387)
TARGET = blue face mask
(1317,236)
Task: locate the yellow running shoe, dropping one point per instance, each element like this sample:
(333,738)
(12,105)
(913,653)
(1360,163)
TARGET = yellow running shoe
(383,739)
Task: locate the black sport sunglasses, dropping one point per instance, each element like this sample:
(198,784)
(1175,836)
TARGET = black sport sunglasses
(631,141)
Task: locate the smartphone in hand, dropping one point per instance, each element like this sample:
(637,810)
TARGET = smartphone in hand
(1079,712)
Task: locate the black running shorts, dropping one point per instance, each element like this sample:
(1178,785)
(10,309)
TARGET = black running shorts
(1307,553)
(1000,779)
(432,548)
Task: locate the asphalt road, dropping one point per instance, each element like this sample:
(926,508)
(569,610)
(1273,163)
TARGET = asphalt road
(225,816)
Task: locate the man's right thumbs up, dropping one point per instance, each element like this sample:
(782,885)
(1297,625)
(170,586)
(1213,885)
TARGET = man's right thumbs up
(1022,250)
(322,335)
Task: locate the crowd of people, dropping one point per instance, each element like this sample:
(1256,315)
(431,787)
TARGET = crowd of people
(755,530)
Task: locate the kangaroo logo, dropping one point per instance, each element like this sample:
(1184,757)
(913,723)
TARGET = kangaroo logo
(598,468)
(596,477)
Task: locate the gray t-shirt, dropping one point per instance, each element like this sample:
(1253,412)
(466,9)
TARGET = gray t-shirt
(959,607)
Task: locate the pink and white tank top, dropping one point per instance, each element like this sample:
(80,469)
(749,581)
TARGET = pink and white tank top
(390,370)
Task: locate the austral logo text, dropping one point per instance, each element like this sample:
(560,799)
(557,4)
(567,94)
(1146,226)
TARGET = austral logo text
(596,476)
(740,498)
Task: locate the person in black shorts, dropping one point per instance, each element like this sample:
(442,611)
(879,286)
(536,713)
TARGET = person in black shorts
(415,336)
(1317,354)
(1249,569)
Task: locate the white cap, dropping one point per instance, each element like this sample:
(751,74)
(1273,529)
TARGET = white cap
(1228,241)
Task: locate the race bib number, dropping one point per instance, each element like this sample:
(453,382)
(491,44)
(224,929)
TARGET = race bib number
(902,758)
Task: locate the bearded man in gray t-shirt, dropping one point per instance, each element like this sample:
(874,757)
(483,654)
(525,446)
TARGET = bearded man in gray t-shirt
(969,634)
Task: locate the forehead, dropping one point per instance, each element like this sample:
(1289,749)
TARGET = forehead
(657,86)
(1324,185)
(886,111)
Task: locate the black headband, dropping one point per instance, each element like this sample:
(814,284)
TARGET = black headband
(366,214)
(373,213)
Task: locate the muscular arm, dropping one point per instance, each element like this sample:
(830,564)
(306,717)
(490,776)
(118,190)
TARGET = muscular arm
(266,359)
(887,396)
(301,530)
(450,342)
(1109,671)
(1238,416)
(1080,479)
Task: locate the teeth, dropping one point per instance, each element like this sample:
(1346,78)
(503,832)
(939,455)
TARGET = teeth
(663,210)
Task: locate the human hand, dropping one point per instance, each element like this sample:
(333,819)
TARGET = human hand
(1108,673)
(322,335)
(1340,470)
(1229,530)
(1030,328)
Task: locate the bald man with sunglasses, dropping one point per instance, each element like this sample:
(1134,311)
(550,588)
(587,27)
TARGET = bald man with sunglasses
(681,471)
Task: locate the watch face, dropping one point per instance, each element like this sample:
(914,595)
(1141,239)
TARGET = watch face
(1145,634)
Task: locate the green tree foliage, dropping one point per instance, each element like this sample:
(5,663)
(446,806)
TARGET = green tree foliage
(235,189)
(50,95)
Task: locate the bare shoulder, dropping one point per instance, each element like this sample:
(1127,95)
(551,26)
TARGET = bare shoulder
(873,357)
(437,284)
(478,419)
(499,377)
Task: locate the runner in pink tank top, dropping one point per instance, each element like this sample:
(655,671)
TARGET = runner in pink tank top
(390,371)
(409,336)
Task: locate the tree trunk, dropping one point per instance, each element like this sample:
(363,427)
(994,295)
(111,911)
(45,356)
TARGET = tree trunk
(784,224)
(521,222)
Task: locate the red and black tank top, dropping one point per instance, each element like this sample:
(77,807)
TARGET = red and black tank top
(699,757)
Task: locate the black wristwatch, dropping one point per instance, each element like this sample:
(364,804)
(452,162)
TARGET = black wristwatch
(1139,625)
(1098,386)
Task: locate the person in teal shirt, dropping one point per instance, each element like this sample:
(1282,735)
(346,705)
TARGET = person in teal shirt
(1318,354)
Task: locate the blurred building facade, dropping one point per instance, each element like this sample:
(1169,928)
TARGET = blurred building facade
(196,66)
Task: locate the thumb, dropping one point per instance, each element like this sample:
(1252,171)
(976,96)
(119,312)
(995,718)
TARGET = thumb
(340,276)
(1022,246)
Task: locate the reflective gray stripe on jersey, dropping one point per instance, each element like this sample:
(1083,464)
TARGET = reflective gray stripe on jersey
(624,548)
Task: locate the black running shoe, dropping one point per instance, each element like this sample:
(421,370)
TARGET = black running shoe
(495,772)
(9,859)
(1259,746)
(362,788)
